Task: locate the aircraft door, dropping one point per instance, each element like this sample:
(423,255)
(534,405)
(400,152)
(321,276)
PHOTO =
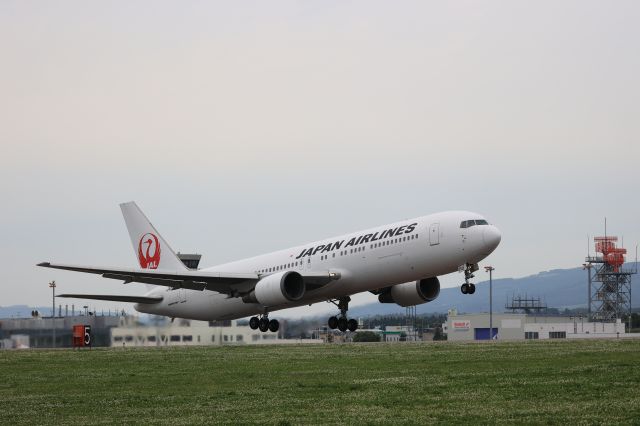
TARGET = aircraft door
(434,234)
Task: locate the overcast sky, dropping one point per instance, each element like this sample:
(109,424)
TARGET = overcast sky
(246,127)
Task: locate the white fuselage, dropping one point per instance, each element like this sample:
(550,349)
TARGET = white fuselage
(419,248)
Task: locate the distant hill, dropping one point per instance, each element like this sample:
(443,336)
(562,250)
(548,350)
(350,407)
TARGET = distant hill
(558,288)
(22,311)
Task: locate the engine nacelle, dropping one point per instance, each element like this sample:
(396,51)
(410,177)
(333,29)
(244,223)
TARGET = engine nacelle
(277,289)
(410,294)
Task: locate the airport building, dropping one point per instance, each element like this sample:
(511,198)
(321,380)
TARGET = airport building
(471,327)
(183,332)
(56,332)
(16,341)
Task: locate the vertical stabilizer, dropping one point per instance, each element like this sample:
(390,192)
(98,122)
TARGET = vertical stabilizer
(150,248)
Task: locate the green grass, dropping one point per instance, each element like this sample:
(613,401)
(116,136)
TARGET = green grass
(530,382)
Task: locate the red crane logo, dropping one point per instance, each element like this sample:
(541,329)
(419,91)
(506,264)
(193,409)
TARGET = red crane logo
(149,251)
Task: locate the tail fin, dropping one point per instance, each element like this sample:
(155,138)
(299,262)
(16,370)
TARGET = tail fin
(151,249)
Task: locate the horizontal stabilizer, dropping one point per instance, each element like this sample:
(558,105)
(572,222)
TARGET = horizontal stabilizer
(115,298)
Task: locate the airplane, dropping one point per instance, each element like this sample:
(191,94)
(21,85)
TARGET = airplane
(399,262)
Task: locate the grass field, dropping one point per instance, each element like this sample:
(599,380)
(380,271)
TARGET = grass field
(529,382)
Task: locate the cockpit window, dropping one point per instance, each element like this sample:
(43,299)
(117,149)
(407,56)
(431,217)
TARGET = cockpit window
(470,223)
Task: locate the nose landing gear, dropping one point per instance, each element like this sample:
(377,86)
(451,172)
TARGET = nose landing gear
(342,323)
(467,287)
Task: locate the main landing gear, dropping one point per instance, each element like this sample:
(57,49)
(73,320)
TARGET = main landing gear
(264,324)
(467,287)
(342,323)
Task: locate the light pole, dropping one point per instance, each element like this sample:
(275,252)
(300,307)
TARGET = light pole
(490,270)
(52,286)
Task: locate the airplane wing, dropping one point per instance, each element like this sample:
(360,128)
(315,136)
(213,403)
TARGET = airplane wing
(226,283)
(195,280)
(114,298)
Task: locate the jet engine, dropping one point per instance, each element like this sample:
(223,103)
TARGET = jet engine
(277,289)
(414,293)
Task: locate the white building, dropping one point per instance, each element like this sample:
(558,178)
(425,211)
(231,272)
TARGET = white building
(521,326)
(16,341)
(397,333)
(187,333)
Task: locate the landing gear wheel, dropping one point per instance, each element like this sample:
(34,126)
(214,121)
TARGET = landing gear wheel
(264,324)
(342,324)
(254,323)
(467,287)
(333,323)
(274,325)
(352,325)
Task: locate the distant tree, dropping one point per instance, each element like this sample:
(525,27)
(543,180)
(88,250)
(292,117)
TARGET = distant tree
(438,334)
(635,320)
(366,336)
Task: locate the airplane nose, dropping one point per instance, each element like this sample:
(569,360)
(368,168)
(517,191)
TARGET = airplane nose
(491,237)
